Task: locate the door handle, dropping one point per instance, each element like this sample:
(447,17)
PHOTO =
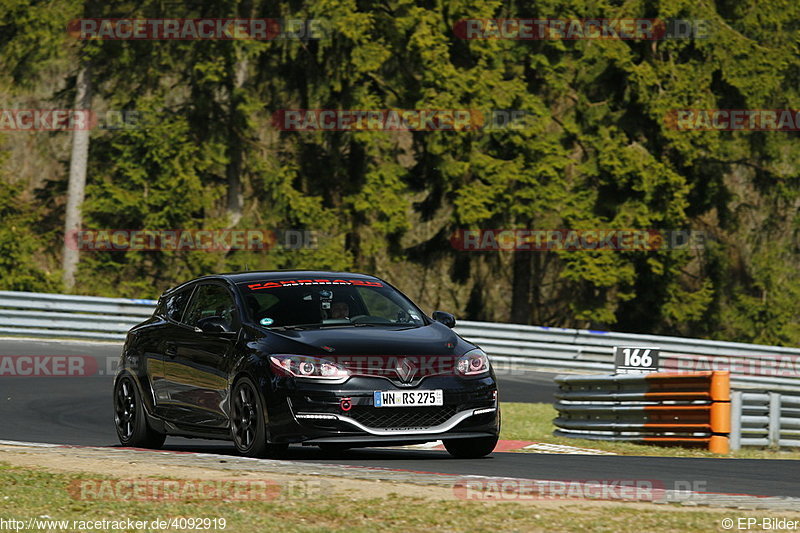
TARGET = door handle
(170,349)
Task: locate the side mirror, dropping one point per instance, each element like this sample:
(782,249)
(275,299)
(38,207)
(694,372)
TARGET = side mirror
(213,324)
(445,318)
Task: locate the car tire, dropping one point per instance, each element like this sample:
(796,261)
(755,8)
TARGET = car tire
(470,448)
(130,418)
(248,429)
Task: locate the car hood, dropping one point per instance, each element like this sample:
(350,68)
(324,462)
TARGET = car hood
(433,339)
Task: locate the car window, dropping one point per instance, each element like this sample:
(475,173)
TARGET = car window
(210,300)
(261,303)
(321,302)
(175,304)
(378,304)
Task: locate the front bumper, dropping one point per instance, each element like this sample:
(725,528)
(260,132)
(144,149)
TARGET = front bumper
(312,412)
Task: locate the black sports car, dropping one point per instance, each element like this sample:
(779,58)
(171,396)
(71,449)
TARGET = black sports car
(330,359)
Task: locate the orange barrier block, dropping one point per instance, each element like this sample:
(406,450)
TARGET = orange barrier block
(673,421)
(721,386)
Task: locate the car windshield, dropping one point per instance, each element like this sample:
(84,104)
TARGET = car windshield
(302,303)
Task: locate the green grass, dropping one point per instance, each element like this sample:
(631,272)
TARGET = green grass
(534,421)
(26,493)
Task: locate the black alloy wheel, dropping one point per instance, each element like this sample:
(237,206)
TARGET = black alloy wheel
(248,429)
(130,419)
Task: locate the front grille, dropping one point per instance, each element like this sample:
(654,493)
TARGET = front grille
(401,417)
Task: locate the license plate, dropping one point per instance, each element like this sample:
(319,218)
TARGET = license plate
(415,398)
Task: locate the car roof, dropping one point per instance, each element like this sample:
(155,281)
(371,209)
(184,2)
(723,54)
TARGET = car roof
(243,277)
(266,275)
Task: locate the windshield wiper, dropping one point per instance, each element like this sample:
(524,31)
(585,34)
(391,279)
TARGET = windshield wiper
(292,327)
(297,327)
(389,324)
(308,326)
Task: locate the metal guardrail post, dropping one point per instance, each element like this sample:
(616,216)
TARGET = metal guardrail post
(774,428)
(736,420)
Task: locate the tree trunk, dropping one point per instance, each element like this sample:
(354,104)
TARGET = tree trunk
(538,263)
(236,124)
(235,142)
(77,178)
(521,287)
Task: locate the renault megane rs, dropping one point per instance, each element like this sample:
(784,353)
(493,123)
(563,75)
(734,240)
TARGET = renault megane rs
(331,359)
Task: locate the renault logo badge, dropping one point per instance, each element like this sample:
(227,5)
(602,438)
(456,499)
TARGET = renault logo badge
(405,370)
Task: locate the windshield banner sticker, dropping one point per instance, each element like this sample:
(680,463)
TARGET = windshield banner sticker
(303,282)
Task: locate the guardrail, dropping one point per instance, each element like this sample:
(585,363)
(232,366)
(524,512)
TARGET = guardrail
(765,410)
(750,365)
(59,315)
(658,408)
(767,418)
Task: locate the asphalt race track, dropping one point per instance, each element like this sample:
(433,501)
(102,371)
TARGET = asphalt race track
(77,410)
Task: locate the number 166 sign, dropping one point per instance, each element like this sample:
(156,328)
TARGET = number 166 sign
(635,360)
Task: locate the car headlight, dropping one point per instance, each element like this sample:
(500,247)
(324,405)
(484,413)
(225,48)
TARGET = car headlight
(305,366)
(473,363)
